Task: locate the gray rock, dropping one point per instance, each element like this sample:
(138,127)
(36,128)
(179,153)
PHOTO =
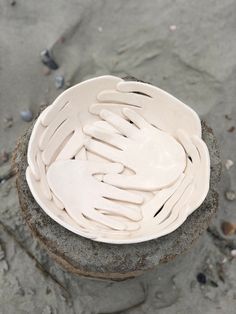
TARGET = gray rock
(59,81)
(26,115)
(117,262)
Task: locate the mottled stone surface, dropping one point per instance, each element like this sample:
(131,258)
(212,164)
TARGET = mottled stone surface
(101,260)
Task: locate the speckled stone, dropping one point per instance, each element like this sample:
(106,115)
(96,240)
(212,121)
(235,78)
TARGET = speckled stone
(108,261)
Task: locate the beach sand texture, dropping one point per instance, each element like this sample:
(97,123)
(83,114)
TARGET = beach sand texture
(185,47)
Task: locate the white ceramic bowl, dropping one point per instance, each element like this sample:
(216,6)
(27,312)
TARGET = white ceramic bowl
(61,128)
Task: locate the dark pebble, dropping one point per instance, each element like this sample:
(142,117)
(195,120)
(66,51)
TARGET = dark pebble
(13,3)
(213,283)
(48,60)
(201,278)
(26,115)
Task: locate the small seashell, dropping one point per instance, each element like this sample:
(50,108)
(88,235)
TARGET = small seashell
(228,228)
(225,260)
(59,81)
(26,115)
(48,60)
(230,195)
(228,164)
(173,28)
(233,253)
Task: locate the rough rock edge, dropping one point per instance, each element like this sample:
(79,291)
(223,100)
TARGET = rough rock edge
(109,261)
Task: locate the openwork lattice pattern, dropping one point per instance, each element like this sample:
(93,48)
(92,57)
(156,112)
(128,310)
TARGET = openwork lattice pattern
(118,161)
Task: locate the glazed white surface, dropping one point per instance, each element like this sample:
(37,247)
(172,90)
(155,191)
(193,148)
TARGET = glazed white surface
(118,161)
